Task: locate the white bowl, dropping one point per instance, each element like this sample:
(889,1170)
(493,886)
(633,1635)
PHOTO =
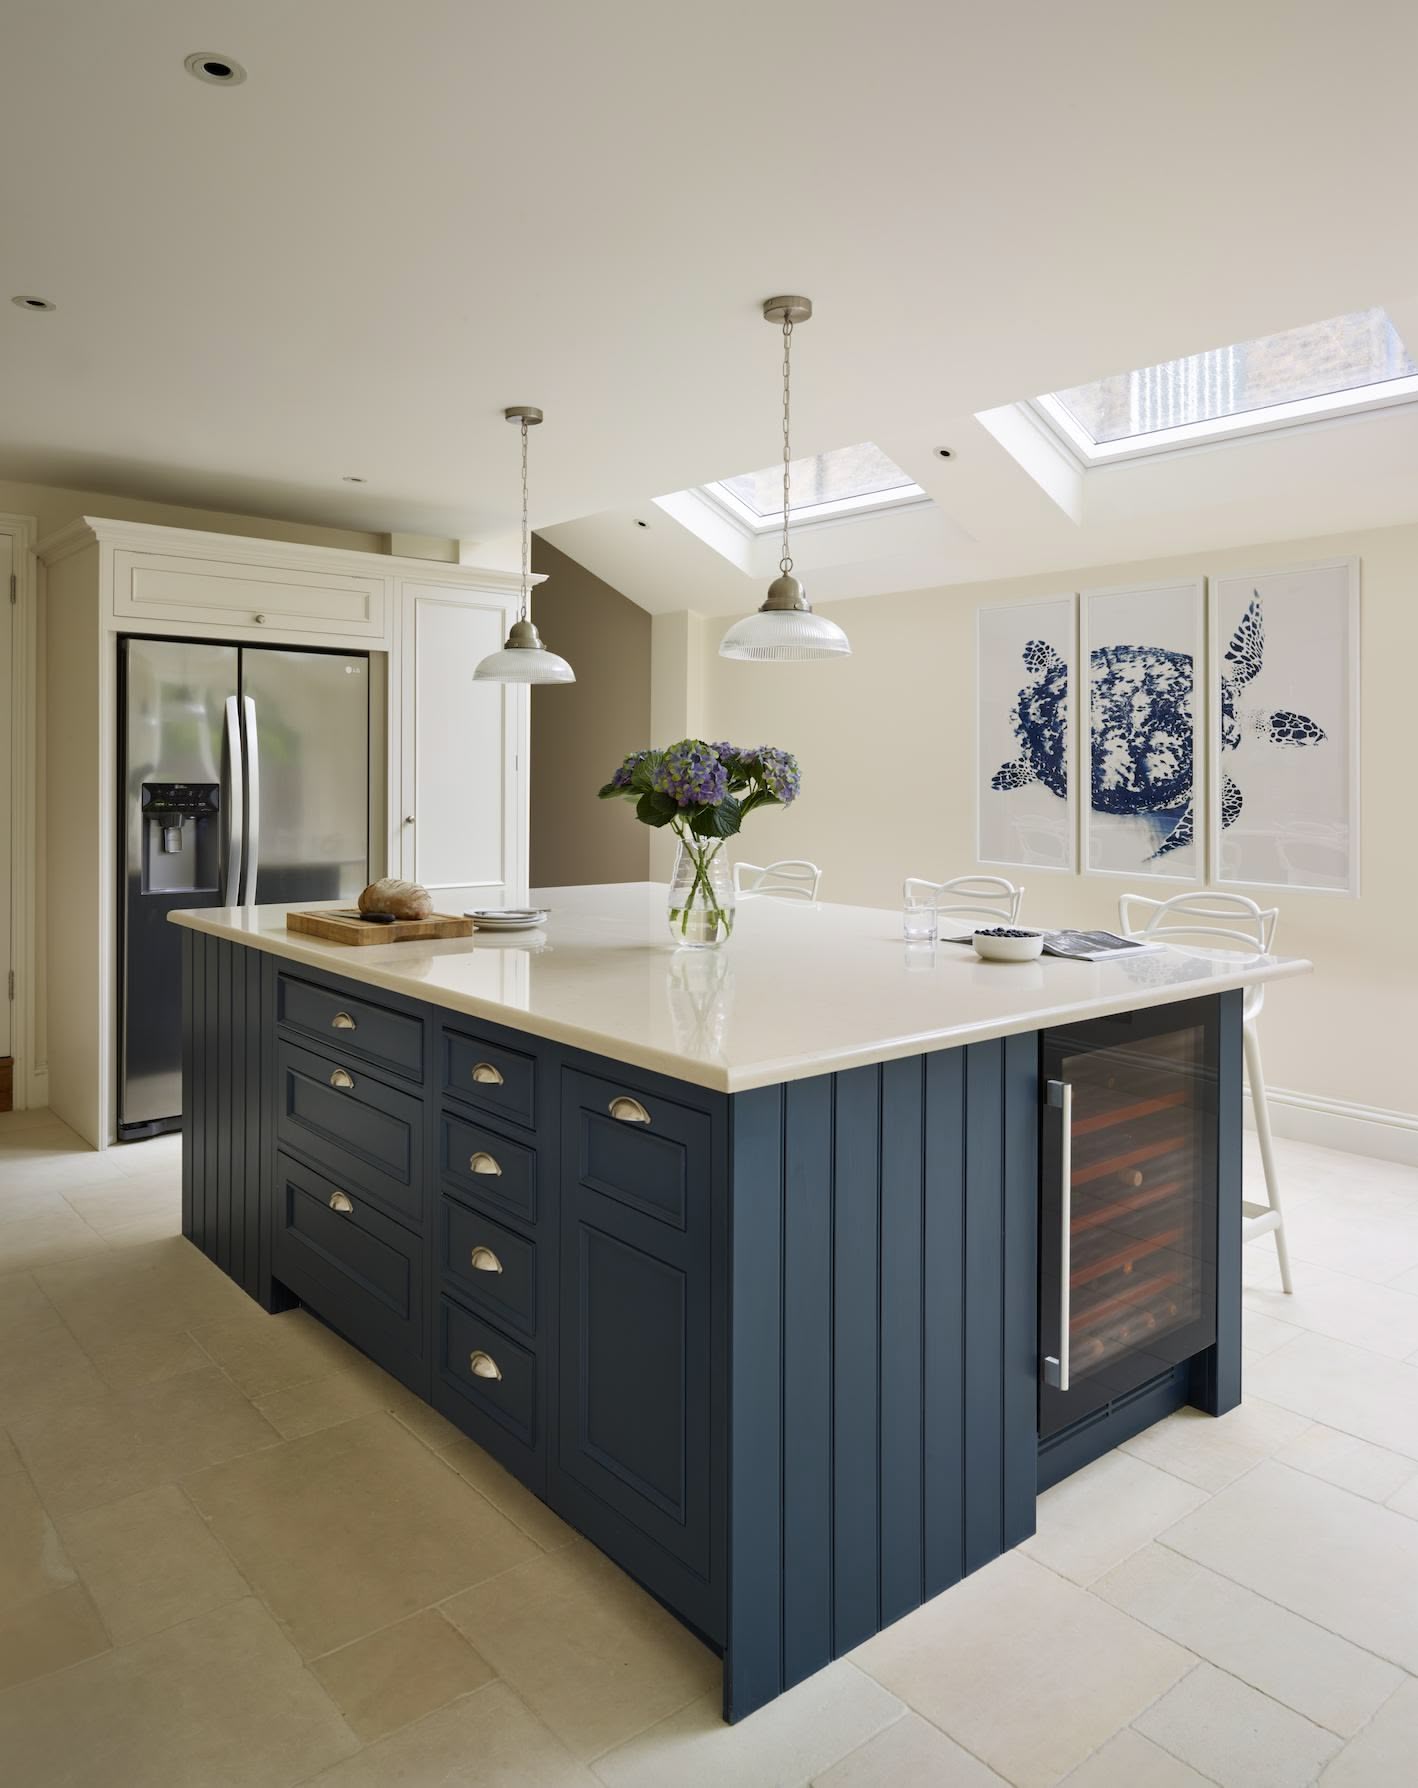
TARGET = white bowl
(1009,949)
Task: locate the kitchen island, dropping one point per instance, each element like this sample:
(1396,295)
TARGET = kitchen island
(786,1273)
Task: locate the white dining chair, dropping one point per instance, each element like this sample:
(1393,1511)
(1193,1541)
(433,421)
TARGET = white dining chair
(969,897)
(1238,919)
(791,878)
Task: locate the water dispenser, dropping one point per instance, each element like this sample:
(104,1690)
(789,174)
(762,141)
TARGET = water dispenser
(181,837)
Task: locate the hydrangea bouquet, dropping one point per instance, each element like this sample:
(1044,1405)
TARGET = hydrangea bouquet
(703,792)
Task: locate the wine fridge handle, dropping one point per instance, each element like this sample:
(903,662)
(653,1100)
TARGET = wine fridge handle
(1060,1096)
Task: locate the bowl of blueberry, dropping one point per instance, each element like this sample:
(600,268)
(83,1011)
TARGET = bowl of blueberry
(1007,943)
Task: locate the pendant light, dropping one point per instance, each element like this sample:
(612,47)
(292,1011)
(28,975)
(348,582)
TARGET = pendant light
(524,659)
(785,627)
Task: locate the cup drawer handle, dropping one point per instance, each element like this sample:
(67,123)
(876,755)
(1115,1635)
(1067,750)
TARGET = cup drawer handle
(486,1075)
(629,1111)
(482,1162)
(343,1022)
(483,1365)
(342,1202)
(485,1261)
(342,1079)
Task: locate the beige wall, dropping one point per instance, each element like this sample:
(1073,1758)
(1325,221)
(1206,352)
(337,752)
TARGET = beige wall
(54,508)
(581,731)
(886,742)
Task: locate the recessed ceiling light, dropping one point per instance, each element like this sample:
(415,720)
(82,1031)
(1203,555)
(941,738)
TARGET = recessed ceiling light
(221,71)
(641,524)
(943,453)
(27,302)
(349,478)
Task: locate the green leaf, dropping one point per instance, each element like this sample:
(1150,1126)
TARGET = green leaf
(610,791)
(719,821)
(654,809)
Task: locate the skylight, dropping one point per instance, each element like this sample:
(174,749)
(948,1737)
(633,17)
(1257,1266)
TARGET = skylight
(847,480)
(1352,362)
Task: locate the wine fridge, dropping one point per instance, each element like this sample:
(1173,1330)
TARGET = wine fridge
(1128,1208)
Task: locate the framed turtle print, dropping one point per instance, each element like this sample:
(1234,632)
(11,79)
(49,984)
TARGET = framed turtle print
(1285,728)
(1142,646)
(1025,755)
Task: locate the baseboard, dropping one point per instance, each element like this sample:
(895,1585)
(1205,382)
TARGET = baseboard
(1338,1124)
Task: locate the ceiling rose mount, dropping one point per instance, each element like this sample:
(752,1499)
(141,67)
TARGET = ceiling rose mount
(785,628)
(524,659)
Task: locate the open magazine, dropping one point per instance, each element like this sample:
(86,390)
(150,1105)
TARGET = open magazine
(1082,946)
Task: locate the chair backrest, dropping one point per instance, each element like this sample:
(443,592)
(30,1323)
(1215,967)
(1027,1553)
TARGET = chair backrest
(791,878)
(1234,918)
(969,897)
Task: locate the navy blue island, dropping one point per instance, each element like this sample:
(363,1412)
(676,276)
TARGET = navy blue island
(787,1273)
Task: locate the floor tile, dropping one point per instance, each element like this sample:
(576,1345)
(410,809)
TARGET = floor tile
(1235,1735)
(84,1454)
(790,1740)
(486,1740)
(109,1207)
(1357,1310)
(1094,1519)
(963,1660)
(1339,1560)
(586,1649)
(910,1753)
(1212,1451)
(1345,1387)
(1383,1754)
(427,1425)
(45,1236)
(149,1562)
(9,1458)
(1405,1501)
(399,1674)
(42,1369)
(33,1561)
(47,1633)
(351,1528)
(1380,1248)
(280,1351)
(1352,1464)
(1129,1760)
(327,1401)
(1312,1671)
(221,1702)
(1263,1333)
(24,1309)
(503,1491)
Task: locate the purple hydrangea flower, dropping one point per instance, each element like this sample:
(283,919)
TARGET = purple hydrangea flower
(692,774)
(626,772)
(778,771)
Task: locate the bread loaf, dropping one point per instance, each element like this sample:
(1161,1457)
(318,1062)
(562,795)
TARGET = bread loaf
(405,900)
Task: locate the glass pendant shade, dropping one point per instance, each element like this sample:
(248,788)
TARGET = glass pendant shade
(524,659)
(785,628)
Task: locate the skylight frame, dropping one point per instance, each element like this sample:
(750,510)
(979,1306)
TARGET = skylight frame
(1329,406)
(810,514)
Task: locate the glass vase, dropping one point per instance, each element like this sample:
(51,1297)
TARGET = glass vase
(701,905)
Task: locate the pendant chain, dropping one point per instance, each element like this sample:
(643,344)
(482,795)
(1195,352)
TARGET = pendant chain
(526,536)
(785,564)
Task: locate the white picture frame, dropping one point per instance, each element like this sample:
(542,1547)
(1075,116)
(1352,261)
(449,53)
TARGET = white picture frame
(1138,637)
(1282,817)
(1028,825)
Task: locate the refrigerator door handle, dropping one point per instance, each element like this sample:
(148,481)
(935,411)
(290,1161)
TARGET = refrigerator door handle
(253,802)
(232,795)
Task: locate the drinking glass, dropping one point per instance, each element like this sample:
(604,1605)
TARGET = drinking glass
(919,921)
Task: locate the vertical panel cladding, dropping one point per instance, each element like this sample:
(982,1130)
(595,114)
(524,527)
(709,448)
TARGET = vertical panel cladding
(753,1656)
(983,1341)
(1216,1374)
(1021,1273)
(902,1541)
(225,1189)
(856,1327)
(189,1084)
(943,1280)
(807,1377)
(251,1123)
(211,1044)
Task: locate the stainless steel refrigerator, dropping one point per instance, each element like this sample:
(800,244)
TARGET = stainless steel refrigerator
(245,778)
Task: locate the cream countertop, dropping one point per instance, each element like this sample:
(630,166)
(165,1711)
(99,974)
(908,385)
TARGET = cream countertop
(798,990)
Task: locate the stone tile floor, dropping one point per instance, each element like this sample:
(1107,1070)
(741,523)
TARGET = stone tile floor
(232,1552)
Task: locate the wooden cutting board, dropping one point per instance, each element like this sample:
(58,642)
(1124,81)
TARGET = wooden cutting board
(339,926)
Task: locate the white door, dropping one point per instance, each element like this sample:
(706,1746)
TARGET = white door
(7,763)
(465,780)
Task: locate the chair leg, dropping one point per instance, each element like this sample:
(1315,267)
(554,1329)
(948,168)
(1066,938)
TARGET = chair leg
(1261,1107)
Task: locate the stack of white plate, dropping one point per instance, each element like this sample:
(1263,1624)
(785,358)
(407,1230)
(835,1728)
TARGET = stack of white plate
(507,918)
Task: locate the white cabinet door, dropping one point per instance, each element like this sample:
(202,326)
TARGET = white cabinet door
(464,751)
(178,591)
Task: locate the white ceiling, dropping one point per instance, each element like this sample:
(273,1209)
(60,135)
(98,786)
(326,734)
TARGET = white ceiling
(411,215)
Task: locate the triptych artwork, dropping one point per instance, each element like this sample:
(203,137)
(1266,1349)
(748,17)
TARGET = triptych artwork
(1141,731)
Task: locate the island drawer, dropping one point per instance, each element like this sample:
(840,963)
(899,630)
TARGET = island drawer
(354,1267)
(500,1080)
(492,1167)
(357,1025)
(645,1152)
(366,1135)
(492,1266)
(489,1369)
